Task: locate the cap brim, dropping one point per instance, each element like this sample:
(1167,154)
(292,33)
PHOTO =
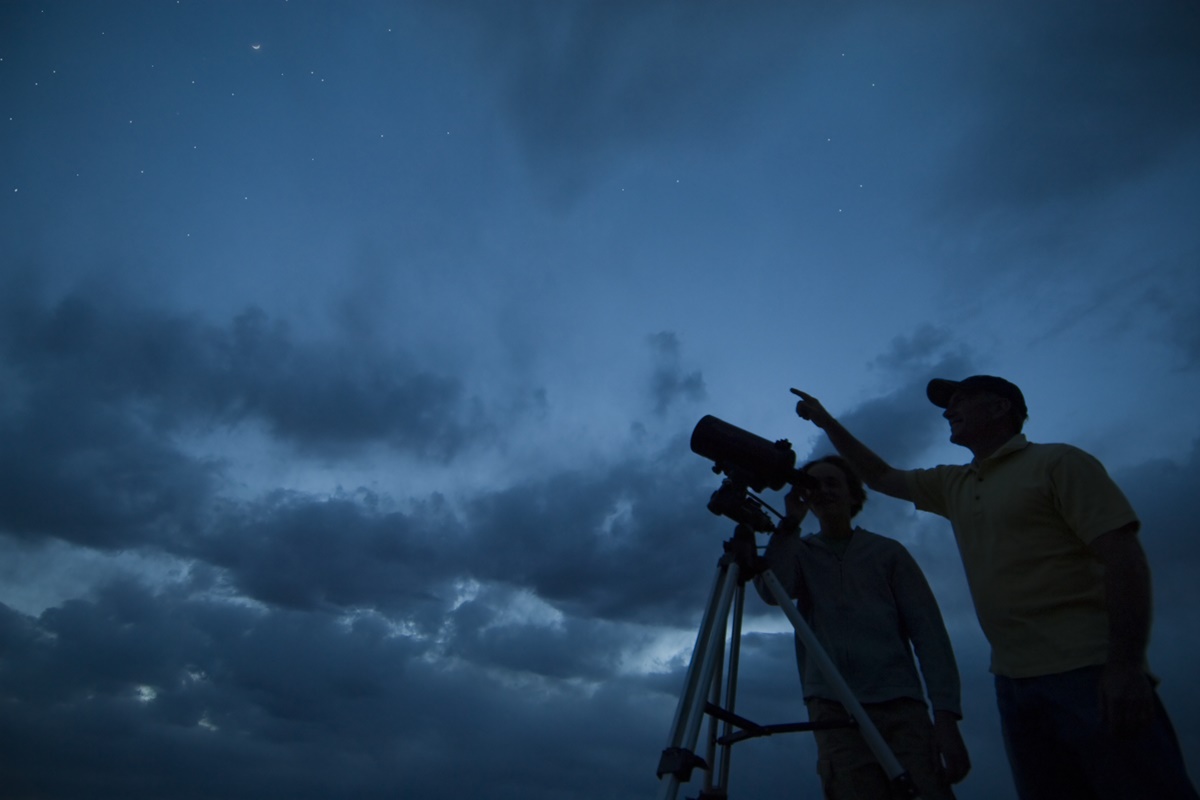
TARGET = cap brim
(939,391)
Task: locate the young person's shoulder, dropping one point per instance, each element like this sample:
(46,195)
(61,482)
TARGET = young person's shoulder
(878,542)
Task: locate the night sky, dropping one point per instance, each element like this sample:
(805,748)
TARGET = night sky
(349,354)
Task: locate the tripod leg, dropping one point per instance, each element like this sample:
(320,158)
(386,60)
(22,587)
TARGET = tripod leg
(712,767)
(679,758)
(896,773)
(731,679)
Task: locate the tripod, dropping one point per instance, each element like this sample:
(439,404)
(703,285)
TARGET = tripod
(704,678)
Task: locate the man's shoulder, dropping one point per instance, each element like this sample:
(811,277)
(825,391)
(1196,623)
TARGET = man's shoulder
(938,470)
(1053,447)
(1057,451)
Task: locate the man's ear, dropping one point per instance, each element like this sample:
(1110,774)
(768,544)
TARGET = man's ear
(1001,406)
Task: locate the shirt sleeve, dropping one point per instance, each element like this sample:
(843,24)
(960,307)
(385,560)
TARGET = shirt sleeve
(927,487)
(922,620)
(1089,501)
(782,555)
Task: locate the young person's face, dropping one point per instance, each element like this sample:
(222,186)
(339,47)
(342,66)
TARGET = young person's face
(831,499)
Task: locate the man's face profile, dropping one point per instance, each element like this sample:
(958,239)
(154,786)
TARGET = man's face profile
(973,414)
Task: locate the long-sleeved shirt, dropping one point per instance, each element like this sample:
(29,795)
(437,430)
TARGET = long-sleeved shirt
(866,607)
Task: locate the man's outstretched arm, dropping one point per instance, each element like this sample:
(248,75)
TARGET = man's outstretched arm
(875,472)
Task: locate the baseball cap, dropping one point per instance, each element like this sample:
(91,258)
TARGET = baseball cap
(941,390)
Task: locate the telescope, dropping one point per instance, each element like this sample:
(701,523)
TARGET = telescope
(749,462)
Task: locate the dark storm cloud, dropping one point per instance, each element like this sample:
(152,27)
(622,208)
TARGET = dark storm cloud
(103,387)
(669,383)
(98,389)
(1072,99)
(299,551)
(626,541)
(74,467)
(151,694)
(143,692)
(573,648)
(629,541)
(176,370)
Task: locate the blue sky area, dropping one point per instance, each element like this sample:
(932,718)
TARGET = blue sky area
(350,353)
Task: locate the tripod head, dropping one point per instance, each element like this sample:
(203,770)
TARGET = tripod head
(734,500)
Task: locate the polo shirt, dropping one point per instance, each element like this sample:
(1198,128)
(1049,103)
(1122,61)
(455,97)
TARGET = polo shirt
(1023,518)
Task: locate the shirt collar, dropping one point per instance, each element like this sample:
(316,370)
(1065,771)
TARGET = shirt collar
(817,537)
(1013,445)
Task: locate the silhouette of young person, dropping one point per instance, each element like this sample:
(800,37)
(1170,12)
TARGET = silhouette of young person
(870,607)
